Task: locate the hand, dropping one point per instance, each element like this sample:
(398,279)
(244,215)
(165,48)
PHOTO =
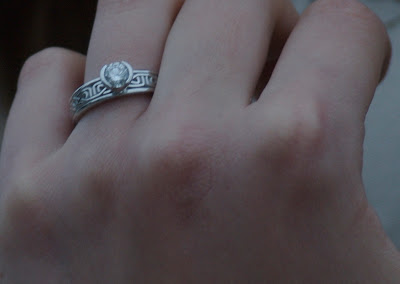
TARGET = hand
(195,184)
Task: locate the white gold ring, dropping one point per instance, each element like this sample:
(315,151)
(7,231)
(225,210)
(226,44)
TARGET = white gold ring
(116,79)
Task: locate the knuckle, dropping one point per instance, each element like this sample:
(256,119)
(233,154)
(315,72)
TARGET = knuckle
(181,158)
(298,132)
(296,145)
(24,214)
(180,150)
(44,61)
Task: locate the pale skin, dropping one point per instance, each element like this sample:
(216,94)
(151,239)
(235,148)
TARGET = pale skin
(194,184)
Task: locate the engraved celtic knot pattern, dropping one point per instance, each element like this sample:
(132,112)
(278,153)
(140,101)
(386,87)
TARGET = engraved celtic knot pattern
(96,91)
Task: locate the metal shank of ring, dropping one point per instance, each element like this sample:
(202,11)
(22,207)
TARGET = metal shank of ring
(94,92)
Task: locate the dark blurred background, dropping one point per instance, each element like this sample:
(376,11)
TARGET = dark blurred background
(29,26)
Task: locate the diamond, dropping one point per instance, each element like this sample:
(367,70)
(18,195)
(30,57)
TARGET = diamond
(117,75)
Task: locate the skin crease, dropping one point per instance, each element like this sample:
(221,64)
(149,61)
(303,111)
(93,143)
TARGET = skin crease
(194,184)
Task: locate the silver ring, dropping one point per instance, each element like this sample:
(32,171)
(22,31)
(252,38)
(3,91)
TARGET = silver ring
(116,79)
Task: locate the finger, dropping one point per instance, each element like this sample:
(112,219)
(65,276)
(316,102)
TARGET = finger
(217,49)
(333,61)
(39,121)
(133,31)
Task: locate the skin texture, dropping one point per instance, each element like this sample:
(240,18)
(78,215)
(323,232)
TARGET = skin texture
(195,184)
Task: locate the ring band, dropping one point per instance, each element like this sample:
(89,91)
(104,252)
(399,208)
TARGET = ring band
(116,79)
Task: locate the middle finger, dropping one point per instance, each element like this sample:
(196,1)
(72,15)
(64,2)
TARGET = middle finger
(216,51)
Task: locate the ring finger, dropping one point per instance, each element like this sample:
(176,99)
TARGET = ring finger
(133,31)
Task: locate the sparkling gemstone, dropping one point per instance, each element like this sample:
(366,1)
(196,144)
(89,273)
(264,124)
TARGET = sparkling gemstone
(117,75)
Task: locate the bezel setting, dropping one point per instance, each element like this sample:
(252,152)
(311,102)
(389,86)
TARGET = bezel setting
(116,69)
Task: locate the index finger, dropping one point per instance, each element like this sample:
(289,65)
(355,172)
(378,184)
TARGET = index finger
(331,66)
